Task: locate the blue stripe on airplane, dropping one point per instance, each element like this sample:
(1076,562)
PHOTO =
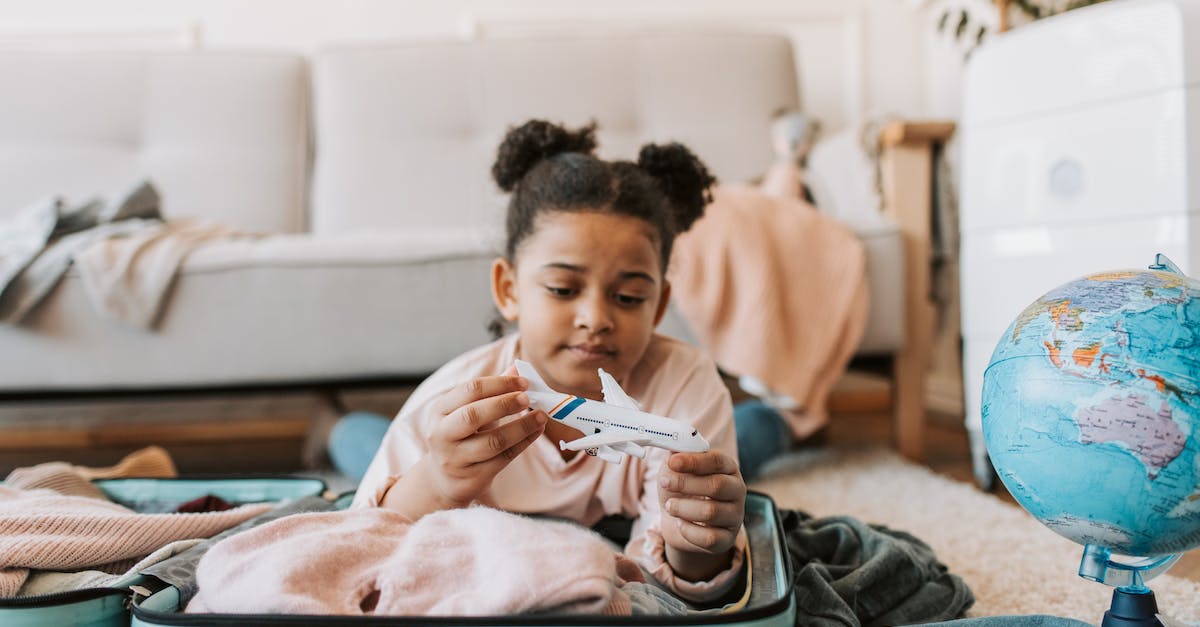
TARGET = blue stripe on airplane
(565,411)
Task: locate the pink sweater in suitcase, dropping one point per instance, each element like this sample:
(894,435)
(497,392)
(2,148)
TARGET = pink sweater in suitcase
(466,562)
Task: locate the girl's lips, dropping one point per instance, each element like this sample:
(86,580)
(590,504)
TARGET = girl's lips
(586,352)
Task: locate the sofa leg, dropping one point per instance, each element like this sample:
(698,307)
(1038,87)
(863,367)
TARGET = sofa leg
(908,380)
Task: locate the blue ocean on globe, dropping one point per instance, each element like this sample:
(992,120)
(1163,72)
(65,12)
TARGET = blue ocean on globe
(1091,405)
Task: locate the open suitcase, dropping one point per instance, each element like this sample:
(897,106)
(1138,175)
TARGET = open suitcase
(771,603)
(109,606)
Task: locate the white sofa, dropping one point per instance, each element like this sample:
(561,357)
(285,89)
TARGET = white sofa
(371,167)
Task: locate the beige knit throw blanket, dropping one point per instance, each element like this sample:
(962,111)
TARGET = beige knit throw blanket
(42,529)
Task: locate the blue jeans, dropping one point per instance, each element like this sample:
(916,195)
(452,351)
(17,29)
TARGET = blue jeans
(354,440)
(762,433)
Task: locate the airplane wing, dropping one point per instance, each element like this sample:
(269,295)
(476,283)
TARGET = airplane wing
(599,439)
(613,394)
(629,448)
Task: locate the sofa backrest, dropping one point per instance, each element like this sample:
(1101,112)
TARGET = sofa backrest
(223,135)
(406,134)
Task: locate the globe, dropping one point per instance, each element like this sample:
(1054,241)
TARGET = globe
(1091,410)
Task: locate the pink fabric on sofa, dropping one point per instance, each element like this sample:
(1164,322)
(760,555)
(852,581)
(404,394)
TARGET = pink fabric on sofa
(774,289)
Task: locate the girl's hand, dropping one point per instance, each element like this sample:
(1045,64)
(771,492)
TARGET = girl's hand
(477,435)
(703,501)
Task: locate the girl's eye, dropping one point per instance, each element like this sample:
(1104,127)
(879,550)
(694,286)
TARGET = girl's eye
(626,299)
(559,291)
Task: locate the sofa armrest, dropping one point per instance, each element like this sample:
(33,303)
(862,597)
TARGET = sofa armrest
(906,177)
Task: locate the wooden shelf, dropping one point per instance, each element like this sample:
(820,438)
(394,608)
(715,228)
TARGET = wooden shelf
(275,428)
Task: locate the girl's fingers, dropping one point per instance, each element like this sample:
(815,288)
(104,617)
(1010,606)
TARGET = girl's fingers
(707,538)
(709,463)
(471,417)
(719,487)
(466,393)
(708,512)
(497,463)
(511,371)
(501,440)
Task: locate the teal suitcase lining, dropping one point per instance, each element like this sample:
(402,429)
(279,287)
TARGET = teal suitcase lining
(233,489)
(94,607)
(771,604)
(109,606)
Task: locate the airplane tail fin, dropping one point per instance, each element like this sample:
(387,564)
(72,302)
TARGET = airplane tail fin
(530,374)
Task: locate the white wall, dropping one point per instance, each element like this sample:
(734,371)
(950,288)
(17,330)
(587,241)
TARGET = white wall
(857,57)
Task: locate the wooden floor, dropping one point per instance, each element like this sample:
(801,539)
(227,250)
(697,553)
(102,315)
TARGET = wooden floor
(277,433)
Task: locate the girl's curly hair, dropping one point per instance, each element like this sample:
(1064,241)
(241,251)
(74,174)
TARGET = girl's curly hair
(547,167)
(550,168)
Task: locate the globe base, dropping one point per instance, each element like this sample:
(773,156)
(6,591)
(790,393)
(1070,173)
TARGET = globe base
(1132,608)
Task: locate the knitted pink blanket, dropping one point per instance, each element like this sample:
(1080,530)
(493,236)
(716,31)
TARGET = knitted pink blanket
(475,561)
(42,529)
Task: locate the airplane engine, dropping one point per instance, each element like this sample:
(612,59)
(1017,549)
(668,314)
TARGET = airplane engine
(605,453)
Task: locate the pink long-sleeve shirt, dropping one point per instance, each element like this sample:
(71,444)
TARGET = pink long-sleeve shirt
(672,379)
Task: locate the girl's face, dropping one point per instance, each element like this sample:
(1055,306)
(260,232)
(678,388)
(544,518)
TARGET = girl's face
(586,292)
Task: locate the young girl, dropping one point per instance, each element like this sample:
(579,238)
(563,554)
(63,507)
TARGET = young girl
(583,279)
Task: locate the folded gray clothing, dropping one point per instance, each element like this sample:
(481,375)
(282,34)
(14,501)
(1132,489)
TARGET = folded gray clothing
(850,573)
(38,246)
(650,600)
(180,570)
(28,288)
(24,236)
(43,582)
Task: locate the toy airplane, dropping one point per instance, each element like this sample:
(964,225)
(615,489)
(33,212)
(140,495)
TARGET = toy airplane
(614,428)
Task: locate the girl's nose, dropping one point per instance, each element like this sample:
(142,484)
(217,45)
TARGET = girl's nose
(593,314)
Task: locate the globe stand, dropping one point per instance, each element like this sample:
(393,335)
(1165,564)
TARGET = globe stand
(1133,604)
(1131,608)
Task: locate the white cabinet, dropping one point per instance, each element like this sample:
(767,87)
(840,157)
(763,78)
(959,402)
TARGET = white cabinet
(1080,138)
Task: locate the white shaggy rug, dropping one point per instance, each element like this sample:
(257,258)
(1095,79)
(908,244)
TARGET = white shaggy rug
(1012,563)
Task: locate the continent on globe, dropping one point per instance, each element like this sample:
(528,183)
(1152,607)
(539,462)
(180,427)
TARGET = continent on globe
(1109,292)
(1129,422)
(1087,531)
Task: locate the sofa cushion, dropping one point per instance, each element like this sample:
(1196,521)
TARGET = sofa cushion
(408,132)
(884,246)
(223,135)
(286,309)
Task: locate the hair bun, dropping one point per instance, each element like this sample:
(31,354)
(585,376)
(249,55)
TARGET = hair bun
(526,145)
(682,176)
